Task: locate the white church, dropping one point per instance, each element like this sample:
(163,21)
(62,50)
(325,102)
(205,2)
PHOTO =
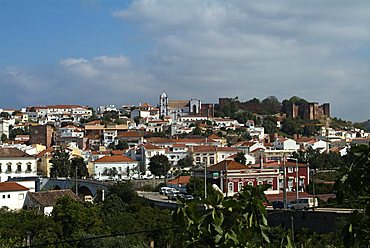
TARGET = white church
(178,108)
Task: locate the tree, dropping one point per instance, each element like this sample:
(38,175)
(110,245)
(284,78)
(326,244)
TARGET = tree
(110,116)
(291,126)
(3,137)
(81,167)
(240,158)
(271,105)
(5,115)
(18,131)
(121,145)
(61,165)
(159,165)
(111,172)
(125,191)
(195,187)
(187,161)
(197,130)
(354,188)
(223,222)
(76,219)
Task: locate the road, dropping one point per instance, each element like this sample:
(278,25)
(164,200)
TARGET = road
(155,196)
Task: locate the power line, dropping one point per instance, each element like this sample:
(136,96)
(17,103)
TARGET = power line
(97,237)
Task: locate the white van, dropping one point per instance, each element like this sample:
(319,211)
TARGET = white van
(304,203)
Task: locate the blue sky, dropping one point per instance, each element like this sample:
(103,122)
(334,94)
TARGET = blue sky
(97,52)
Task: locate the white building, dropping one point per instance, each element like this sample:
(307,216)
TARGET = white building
(178,108)
(70,131)
(104,108)
(4,127)
(285,144)
(12,195)
(114,167)
(210,155)
(16,163)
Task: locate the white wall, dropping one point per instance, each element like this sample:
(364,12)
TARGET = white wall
(14,200)
(121,168)
(14,173)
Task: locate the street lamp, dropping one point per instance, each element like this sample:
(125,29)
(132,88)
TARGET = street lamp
(205,181)
(296,172)
(284,185)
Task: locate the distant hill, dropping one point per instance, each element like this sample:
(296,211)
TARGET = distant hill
(364,125)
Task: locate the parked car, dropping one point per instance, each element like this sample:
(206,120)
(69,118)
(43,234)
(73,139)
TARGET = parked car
(172,196)
(280,205)
(171,190)
(304,203)
(148,177)
(162,190)
(187,197)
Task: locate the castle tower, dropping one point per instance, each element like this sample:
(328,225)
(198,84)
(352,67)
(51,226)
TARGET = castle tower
(163,104)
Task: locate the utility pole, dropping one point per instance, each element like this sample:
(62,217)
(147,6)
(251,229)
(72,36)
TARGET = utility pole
(76,182)
(292,226)
(226,183)
(284,184)
(296,176)
(313,188)
(205,181)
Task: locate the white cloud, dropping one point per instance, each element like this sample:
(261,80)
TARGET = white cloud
(208,49)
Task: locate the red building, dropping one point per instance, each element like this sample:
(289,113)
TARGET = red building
(231,176)
(293,171)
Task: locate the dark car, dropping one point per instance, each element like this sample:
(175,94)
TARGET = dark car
(280,205)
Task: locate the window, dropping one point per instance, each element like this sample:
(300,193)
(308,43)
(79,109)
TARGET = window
(260,183)
(19,167)
(3,196)
(205,160)
(290,183)
(21,196)
(8,195)
(231,186)
(240,186)
(211,160)
(28,166)
(290,169)
(9,167)
(250,183)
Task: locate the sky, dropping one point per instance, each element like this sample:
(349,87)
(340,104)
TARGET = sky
(95,52)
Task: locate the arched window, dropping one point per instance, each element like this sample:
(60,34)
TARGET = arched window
(9,167)
(240,186)
(230,186)
(19,167)
(194,109)
(250,183)
(29,167)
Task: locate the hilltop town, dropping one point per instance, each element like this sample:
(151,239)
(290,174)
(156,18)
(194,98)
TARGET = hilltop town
(286,146)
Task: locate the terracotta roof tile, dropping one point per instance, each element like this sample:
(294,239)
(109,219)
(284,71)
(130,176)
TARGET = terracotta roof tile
(50,198)
(114,159)
(131,134)
(229,164)
(11,186)
(12,153)
(180,180)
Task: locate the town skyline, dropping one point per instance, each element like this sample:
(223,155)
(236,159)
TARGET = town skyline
(95,53)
